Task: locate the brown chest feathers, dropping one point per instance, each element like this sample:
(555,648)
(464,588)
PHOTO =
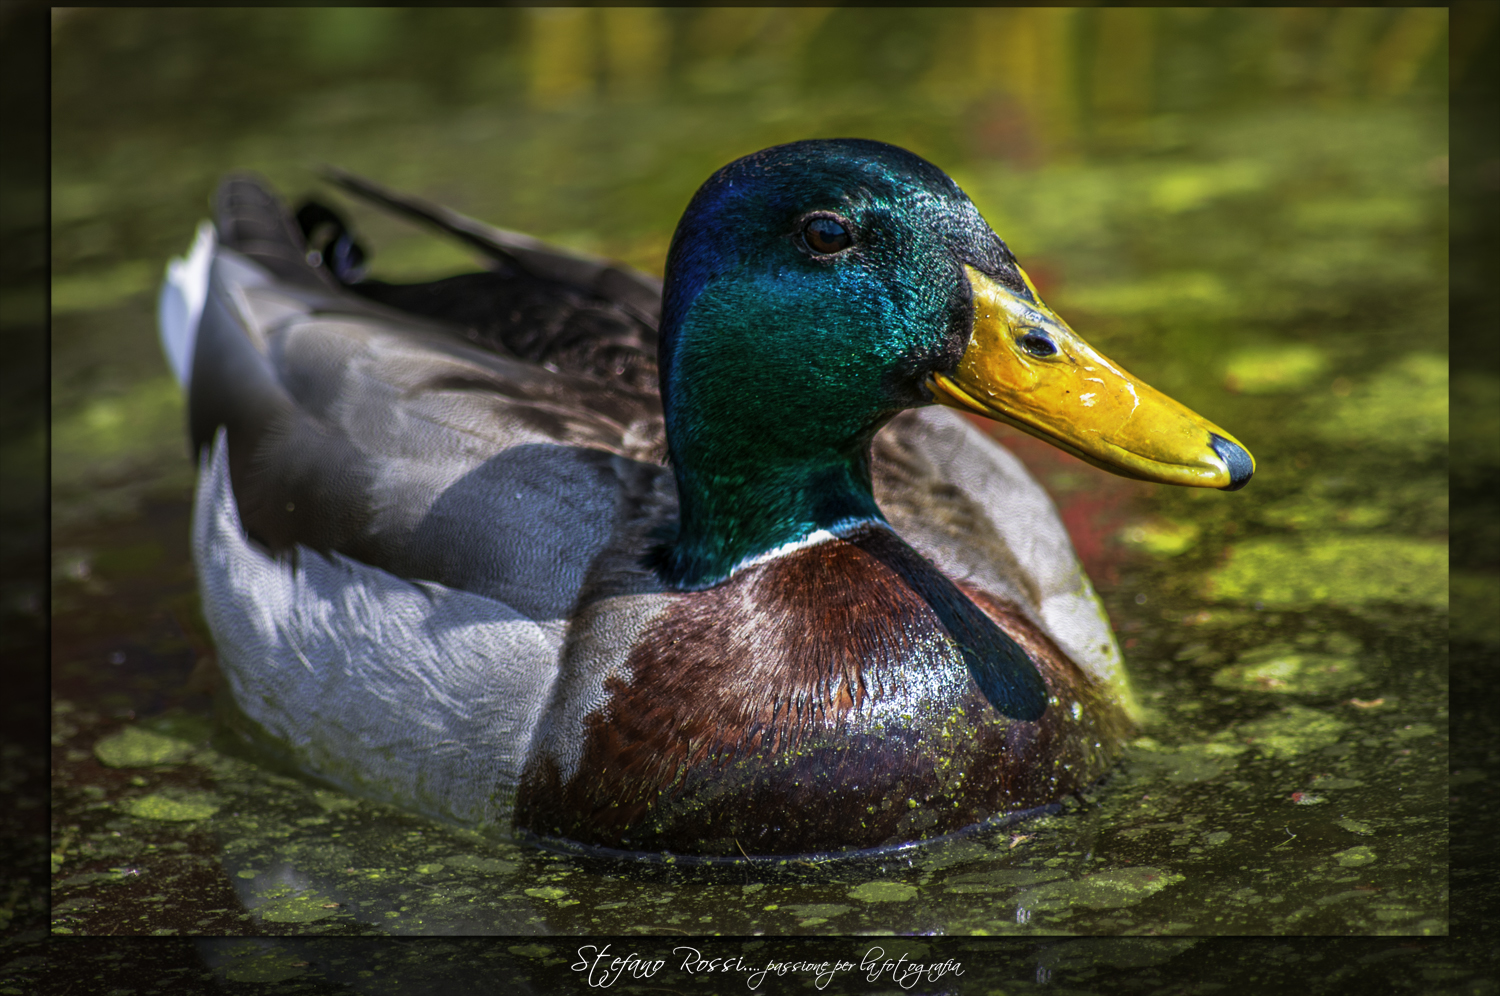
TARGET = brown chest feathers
(815,703)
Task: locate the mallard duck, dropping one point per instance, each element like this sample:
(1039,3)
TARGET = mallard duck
(714,567)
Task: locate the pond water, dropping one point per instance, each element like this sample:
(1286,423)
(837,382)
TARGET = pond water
(1269,249)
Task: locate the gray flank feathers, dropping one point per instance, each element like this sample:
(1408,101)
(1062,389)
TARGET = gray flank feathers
(411,693)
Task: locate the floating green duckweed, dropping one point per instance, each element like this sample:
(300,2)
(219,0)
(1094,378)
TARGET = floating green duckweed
(172,809)
(301,908)
(134,747)
(1161,539)
(813,914)
(1406,404)
(1369,214)
(1335,782)
(1190,187)
(1338,570)
(883,892)
(1280,670)
(1106,890)
(1356,857)
(114,436)
(1220,618)
(1292,731)
(1270,370)
(334,802)
(473,863)
(1187,764)
(1193,292)
(1322,511)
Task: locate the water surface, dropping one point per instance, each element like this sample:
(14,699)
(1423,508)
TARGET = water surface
(1215,201)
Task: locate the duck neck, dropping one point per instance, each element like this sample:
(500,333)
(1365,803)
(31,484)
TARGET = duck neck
(735,511)
(770,415)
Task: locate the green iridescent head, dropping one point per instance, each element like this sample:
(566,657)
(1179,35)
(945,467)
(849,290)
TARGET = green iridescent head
(813,291)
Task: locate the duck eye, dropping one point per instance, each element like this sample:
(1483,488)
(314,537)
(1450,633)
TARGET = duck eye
(1038,344)
(825,236)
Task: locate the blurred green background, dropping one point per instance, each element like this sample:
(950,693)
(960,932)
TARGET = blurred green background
(1247,207)
(1183,182)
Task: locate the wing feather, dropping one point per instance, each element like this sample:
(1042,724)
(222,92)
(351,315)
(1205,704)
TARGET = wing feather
(408,692)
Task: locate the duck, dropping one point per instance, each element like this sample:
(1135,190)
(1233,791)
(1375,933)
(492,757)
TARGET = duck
(719,566)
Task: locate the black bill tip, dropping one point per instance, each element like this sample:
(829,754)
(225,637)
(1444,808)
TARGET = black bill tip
(1236,458)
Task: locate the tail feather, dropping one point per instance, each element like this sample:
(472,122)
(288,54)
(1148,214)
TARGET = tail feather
(634,291)
(180,306)
(253,221)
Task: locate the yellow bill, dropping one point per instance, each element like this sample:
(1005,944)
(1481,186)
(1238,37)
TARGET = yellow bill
(1024,366)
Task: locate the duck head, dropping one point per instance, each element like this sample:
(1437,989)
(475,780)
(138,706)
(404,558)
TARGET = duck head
(815,290)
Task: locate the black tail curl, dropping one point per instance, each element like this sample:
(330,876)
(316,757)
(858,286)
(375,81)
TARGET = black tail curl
(330,243)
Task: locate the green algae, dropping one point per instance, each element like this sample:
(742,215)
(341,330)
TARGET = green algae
(813,914)
(297,908)
(1188,188)
(1405,405)
(334,802)
(1281,670)
(1313,510)
(883,892)
(1161,539)
(1335,783)
(1290,732)
(1356,857)
(1186,764)
(177,808)
(1115,889)
(114,450)
(134,747)
(475,864)
(1191,291)
(1371,214)
(1336,570)
(1274,369)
